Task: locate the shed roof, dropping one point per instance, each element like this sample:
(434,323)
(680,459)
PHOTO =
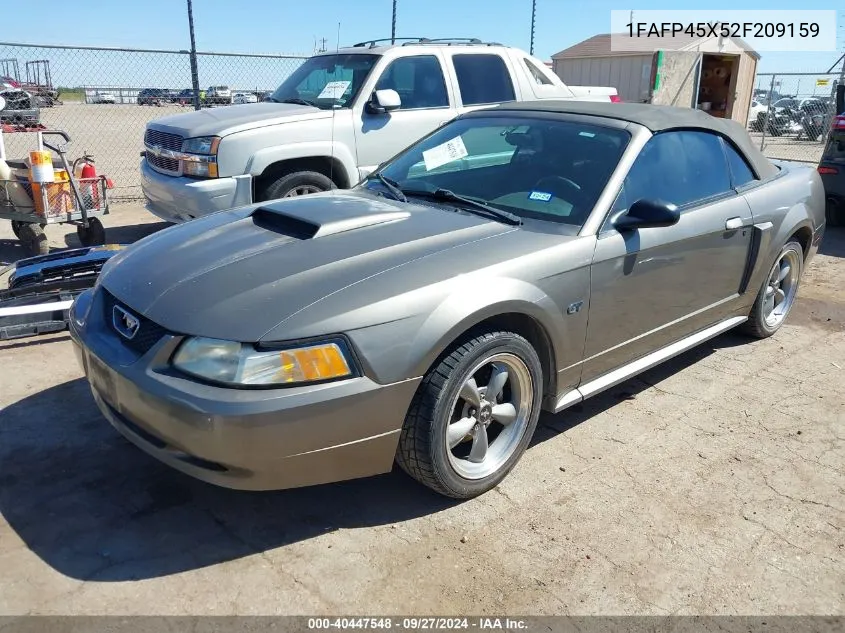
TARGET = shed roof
(600,45)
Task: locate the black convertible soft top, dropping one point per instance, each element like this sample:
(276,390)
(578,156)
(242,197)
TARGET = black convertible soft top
(657,119)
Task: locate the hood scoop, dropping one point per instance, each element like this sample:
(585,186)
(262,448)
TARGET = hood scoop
(315,222)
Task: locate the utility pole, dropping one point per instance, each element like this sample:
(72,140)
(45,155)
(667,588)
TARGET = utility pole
(393,25)
(533,20)
(195,77)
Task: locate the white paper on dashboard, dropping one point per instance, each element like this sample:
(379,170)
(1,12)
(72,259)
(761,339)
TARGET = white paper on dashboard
(334,90)
(444,153)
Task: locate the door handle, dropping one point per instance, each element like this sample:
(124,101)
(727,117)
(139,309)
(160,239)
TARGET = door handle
(733,224)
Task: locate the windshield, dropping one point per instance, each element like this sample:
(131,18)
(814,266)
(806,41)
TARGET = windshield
(834,151)
(544,169)
(326,81)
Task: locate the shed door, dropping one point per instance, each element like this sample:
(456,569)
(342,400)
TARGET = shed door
(676,78)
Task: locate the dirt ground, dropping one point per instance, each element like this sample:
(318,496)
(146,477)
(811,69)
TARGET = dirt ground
(713,484)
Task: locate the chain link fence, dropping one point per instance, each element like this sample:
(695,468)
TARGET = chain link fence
(104,97)
(791,114)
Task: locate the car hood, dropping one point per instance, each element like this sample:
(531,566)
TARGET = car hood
(238,274)
(230,119)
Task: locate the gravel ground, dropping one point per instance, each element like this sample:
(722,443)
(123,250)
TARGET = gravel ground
(710,485)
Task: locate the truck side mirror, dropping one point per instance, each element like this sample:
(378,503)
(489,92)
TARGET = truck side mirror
(384,101)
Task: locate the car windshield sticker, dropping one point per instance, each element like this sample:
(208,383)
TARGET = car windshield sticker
(542,196)
(444,153)
(334,90)
(587,134)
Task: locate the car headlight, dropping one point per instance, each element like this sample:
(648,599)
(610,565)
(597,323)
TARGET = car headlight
(241,364)
(200,156)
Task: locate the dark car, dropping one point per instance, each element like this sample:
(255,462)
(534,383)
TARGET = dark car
(832,170)
(152,96)
(184,97)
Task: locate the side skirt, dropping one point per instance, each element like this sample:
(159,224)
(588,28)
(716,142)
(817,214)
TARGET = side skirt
(644,363)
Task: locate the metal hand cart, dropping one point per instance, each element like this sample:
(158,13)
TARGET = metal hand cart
(76,201)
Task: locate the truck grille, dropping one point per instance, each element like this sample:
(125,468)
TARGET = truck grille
(165,140)
(149,333)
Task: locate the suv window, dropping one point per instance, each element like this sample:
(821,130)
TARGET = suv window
(418,80)
(539,75)
(740,171)
(677,167)
(483,79)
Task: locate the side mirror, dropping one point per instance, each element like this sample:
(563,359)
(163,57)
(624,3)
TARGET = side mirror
(384,101)
(647,213)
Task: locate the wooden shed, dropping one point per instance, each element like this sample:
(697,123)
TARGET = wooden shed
(715,74)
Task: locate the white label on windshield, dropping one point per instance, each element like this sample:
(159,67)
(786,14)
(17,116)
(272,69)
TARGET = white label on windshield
(444,153)
(334,90)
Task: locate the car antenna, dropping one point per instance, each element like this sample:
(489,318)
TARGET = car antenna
(334,108)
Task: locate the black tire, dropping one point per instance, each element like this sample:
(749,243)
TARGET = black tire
(285,185)
(422,451)
(835,212)
(756,325)
(94,235)
(33,239)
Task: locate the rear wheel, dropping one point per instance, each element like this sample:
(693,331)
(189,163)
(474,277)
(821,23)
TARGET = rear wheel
(778,293)
(835,212)
(94,235)
(473,415)
(33,239)
(300,183)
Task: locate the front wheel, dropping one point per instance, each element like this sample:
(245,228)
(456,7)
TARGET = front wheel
(473,415)
(299,183)
(778,293)
(33,238)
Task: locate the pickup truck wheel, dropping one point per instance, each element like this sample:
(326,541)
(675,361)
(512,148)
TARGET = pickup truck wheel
(33,239)
(777,295)
(299,183)
(473,415)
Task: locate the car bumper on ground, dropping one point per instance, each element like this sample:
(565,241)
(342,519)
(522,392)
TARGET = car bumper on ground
(179,199)
(245,439)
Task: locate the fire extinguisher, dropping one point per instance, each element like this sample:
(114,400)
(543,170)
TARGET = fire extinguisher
(86,175)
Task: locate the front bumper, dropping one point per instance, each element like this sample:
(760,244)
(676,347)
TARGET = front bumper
(179,199)
(245,439)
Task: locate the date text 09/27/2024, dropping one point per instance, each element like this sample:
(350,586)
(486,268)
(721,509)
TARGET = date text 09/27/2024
(725,29)
(419,623)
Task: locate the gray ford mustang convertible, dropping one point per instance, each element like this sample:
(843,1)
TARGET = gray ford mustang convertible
(519,258)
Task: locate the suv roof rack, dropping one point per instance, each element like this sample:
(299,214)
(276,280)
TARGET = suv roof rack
(411,41)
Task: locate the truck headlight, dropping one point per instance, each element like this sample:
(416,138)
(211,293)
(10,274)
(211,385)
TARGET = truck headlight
(200,156)
(240,364)
(206,145)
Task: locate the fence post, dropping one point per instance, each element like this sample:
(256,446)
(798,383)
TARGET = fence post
(195,79)
(768,109)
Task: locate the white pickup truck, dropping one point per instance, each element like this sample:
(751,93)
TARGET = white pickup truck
(332,121)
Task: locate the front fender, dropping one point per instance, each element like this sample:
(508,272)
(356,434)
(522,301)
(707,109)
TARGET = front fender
(263,158)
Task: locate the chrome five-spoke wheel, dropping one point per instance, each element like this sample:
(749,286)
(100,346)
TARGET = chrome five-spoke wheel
(473,415)
(489,416)
(782,288)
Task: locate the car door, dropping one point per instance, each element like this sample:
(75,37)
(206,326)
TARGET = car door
(652,286)
(426,104)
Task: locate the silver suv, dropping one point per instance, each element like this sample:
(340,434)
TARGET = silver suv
(332,121)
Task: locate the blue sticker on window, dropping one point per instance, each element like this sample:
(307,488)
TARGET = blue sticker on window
(541,196)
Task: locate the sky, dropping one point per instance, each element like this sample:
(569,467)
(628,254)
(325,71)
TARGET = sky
(288,26)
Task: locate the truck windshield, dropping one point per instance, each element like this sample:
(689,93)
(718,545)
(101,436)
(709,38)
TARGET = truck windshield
(326,81)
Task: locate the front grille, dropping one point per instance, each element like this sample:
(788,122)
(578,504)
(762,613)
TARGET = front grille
(166,164)
(149,333)
(165,140)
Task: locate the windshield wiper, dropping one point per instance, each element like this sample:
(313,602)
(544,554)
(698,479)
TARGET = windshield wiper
(298,101)
(392,186)
(469,203)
